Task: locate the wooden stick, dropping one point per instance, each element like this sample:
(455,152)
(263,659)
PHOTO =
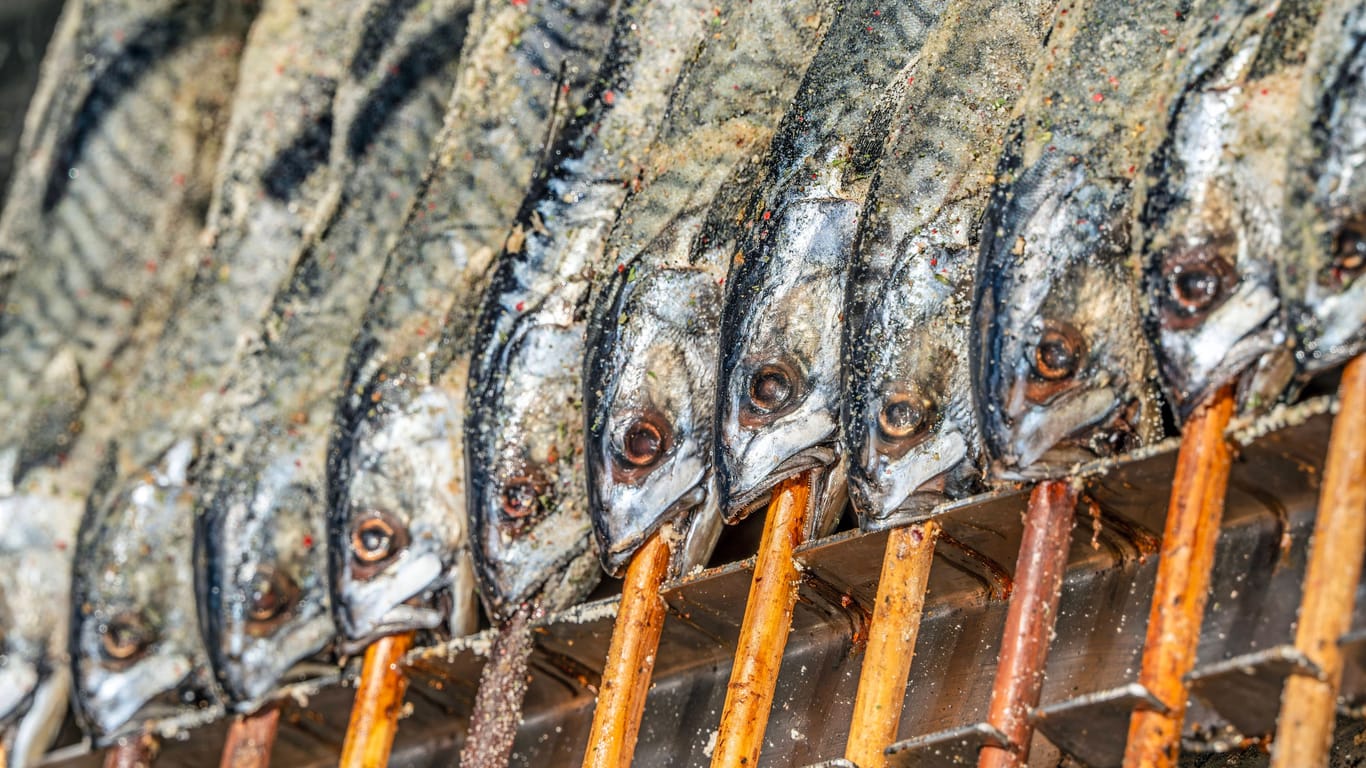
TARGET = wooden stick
(379,699)
(630,659)
(763,633)
(251,738)
(1194,515)
(891,643)
(1033,611)
(1304,732)
(137,751)
(502,689)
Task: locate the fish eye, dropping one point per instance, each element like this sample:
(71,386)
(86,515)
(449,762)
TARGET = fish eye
(376,537)
(772,387)
(125,638)
(1196,281)
(521,496)
(1058,355)
(1349,249)
(643,443)
(270,594)
(904,415)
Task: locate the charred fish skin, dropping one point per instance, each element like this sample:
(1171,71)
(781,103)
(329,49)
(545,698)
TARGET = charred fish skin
(1061,370)
(261,539)
(909,426)
(136,649)
(399,535)
(1213,209)
(654,319)
(778,382)
(1324,296)
(530,528)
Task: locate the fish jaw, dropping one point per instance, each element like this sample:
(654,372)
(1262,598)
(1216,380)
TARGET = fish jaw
(785,319)
(265,571)
(117,703)
(530,528)
(654,369)
(404,481)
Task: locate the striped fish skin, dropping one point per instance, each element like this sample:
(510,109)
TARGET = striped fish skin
(1061,369)
(778,383)
(72,331)
(654,320)
(530,530)
(399,538)
(261,542)
(1325,250)
(909,427)
(290,70)
(1213,212)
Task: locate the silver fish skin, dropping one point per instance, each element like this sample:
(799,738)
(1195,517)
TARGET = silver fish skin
(909,426)
(1061,369)
(261,541)
(399,537)
(269,184)
(137,652)
(778,380)
(1212,215)
(655,318)
(530,529)
(1323,292)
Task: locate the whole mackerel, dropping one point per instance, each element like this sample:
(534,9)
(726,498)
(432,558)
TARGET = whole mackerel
(1214,207)
(653,328)
(909,428)
(398,534)
(778,380)
(110,206)
(138,653)
(1324,258)
(1060,367)
(261,540)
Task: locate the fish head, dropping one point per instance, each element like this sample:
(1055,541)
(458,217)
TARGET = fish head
(910,426)
(1061,363)
(779,381)
(264,552)
(649,430)
(1212,238)
(137,650)
(399,542)
(531,533)
(1323,274)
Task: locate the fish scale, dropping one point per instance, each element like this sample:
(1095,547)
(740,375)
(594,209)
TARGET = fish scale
(261,539)
(398,461)
(910,430)
(781,324)
(651,345)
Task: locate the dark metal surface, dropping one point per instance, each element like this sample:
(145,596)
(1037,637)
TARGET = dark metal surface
(1092,728)
(1111,565)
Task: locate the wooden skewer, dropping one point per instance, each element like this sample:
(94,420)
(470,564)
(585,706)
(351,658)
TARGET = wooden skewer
(1304,732)
(891,643)
(1194,515)
(502,689)
(763,633)
(379,699)
(251,738)
(630,659)
(136,751)
(1030,618)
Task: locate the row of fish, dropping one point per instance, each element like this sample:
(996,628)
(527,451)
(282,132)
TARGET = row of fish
(317,317)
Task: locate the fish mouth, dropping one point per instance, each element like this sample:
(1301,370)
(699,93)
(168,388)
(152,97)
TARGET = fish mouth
(387,604)
(618,556)
(1244,342)
(916,504)
(266,663)
(1335,322)
(755,489)
(120,702)
(1051,439)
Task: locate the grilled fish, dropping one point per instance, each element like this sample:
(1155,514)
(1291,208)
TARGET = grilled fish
(1061,369)
(1325,212)
(1214,197)
(400,551)
(262,537)
(909,426)
(778,383)
(652,338)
